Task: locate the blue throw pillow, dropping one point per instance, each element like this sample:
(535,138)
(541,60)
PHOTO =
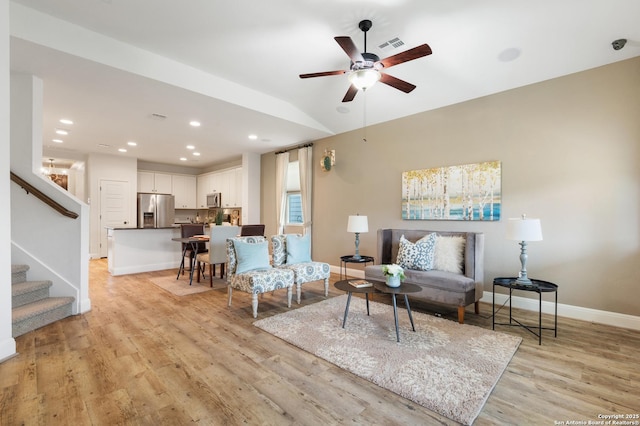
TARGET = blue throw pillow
(251,256)
(298,249)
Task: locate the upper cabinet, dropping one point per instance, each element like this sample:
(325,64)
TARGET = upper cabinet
(160,183)
(184,190)
(227,182)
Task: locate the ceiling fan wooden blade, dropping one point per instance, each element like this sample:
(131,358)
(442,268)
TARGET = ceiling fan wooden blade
(396,83)
(350,49)
(407,55)
(321,74)
(351,93)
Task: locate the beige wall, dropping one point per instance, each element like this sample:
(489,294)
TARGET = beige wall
(570,153)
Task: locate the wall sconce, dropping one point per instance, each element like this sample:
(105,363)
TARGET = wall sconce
(328,160)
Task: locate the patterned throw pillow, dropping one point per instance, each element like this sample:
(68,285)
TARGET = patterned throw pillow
(418,255)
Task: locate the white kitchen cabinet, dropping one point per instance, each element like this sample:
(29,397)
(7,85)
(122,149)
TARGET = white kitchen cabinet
(184,190)
(160,183)
(228,183)
(203,188)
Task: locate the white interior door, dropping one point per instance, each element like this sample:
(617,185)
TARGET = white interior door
(115,209)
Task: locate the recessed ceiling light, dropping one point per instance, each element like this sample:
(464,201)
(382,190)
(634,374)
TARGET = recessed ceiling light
(62,131)
(510,54)
(103,145)
(253,137)
(132,143)
(66,121)
(183,158)
(195,123)
(191,147)
(122,150)
(56,140)
(196,154)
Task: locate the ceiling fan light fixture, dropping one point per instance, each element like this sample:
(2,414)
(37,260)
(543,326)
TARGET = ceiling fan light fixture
(364,78)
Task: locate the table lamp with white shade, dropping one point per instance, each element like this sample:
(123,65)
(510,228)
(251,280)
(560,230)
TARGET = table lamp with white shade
(523,230)
(357,224)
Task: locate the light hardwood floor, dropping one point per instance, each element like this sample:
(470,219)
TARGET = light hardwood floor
(145,357)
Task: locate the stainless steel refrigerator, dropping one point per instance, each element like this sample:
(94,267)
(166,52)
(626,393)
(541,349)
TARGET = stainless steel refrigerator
(155,210)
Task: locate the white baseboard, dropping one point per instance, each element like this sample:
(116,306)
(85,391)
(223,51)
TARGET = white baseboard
(7,349)
(569,311)
(352,273)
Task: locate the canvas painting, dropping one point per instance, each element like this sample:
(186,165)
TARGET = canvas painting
(467,192)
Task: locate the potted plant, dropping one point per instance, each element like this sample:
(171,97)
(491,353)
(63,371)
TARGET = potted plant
(394,274)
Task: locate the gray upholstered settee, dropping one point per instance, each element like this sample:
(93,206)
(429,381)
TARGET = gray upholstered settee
(442,287)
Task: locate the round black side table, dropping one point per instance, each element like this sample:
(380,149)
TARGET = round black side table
(351,259)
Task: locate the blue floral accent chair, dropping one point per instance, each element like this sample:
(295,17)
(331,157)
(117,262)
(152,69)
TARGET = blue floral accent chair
(250,270)
(293,252)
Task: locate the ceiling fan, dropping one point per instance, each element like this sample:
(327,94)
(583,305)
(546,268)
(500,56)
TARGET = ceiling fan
(366,68)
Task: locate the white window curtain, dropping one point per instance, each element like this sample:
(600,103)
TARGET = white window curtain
(282,163)
(305,163)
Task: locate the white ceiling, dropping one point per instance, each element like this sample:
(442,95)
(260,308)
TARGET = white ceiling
(109,64)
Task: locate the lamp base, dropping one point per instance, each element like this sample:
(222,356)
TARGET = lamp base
(523,281)
(356,256)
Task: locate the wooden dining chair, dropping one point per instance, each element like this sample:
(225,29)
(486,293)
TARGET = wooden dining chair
(252,230)
(189,230)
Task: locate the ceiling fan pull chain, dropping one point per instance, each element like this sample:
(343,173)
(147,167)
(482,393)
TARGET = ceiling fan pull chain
(364,116)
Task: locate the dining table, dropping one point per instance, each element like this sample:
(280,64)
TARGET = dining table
(193,243)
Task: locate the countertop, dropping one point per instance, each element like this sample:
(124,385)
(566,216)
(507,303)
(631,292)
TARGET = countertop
(141,229)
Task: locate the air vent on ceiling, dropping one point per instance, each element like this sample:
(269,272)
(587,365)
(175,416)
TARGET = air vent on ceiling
(156,116)
(394,43)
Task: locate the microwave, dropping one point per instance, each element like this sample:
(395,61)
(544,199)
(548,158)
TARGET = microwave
(213,200)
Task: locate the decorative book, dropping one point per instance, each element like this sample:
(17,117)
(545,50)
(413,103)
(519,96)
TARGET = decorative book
(360,283)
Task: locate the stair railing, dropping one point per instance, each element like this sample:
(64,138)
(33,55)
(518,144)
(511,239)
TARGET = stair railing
(42,196)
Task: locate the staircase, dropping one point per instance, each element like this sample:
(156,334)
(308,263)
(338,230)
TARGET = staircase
(32,307)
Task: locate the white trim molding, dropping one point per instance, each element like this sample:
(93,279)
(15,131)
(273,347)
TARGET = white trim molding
(568,311)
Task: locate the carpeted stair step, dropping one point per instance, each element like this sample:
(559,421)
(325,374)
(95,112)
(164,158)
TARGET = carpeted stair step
(29,291)
(38,314)
(19,273)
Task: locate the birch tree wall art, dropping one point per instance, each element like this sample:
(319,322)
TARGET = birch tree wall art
(466,192)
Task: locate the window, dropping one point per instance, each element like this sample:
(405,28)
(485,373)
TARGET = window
(294,208)
(294,198)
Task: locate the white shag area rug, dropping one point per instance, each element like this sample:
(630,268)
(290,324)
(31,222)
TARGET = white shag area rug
(447,367)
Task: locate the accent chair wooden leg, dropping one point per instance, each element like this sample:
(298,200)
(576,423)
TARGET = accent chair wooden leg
(229,292)
(477,307)
(254,304)
(222,271)
(211,272)
(290,295)
(298,292)
(461,314)
(326,287)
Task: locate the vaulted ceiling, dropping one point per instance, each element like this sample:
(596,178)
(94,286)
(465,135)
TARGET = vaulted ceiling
(139,71)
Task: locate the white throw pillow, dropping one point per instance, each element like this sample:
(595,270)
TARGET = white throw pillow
(449,254)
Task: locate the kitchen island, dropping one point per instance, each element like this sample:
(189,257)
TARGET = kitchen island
(134,250)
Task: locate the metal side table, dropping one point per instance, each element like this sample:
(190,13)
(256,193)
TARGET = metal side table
(537,286)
